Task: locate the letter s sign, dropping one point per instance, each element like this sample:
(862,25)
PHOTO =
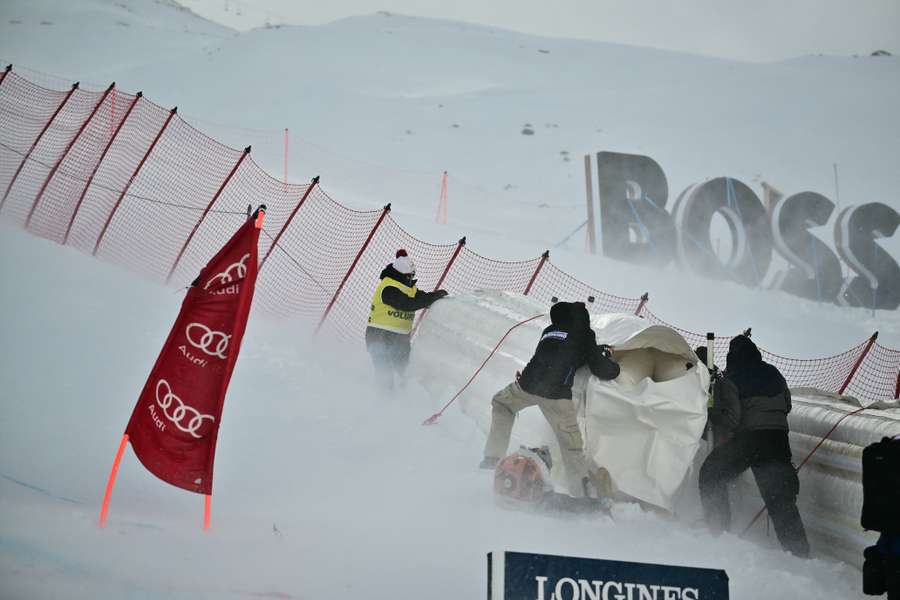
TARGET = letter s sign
(877,280)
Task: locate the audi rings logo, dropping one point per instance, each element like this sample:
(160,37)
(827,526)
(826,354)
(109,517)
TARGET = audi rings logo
(233,272)
(214,343)
(184,417)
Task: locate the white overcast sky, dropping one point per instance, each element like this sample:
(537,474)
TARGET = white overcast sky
(754,30)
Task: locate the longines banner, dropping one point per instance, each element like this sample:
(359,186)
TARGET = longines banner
(636,226)
(523,576)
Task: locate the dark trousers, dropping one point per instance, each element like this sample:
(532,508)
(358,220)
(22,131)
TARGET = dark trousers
(768,454)
(390,355)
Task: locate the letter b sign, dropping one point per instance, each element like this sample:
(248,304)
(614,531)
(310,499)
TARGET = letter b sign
(634,223)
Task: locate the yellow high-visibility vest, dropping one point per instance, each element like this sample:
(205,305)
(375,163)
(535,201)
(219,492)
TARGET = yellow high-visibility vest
(383,316)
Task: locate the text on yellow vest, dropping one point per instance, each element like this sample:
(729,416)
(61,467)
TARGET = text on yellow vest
(384,316)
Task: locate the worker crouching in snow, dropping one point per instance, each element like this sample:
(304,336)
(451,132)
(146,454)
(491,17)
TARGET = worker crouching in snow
(567,344)
(394,304)
(751,405)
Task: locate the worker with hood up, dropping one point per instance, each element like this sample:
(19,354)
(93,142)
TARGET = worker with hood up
(751,404)
(567,344)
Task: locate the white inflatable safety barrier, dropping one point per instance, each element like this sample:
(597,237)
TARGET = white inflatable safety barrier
(831,493)
(644,427)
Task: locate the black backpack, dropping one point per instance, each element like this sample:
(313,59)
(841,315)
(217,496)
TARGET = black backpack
(881,486)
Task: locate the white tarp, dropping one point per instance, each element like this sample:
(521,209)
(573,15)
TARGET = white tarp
(644,427)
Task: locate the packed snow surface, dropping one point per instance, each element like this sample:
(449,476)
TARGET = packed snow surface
(322,488)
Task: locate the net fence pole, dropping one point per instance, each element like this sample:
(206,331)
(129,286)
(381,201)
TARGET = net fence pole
(642,304)
(215,197)
(36,142)
(858,362)
(65,153)
(96,168)
(359,254)
(537,270)
(437,286)
(137,170)
(5,73)
(314,183)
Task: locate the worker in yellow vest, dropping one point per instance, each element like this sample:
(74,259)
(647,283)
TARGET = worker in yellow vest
(394,304)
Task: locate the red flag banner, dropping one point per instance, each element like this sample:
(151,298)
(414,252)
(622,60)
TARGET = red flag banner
(175,423)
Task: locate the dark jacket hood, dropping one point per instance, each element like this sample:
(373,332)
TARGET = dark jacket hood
(742,353)
(390,271)
(570,315)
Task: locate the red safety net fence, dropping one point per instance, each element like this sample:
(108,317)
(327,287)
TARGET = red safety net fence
(130,182)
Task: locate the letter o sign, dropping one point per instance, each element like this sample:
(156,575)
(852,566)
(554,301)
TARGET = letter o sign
(751,236)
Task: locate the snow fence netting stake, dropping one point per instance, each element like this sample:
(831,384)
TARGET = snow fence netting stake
(134,175)
(90,179)
(65,153)
(34,145)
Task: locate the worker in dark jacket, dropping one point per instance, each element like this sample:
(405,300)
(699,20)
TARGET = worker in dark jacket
(394,304)
(565,346)
(751,405)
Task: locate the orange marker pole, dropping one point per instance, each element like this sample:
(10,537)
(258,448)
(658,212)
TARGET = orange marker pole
(285,155)
(207,510)
(112,479)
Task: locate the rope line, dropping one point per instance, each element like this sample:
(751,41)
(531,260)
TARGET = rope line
(800,466)
(433,418)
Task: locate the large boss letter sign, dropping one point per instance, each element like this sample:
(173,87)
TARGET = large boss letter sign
(636,228)
(814,271)
(751,242)
(877,283)
(634,223)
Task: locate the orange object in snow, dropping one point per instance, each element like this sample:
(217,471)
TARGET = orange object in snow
(519,477)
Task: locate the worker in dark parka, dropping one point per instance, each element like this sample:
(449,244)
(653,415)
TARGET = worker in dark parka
(751,405)
(567,344)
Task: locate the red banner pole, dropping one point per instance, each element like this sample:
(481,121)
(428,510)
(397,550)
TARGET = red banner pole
(540,266)
(97,166)
(131,180)
(206,212)
(897,388)
(315,182)
(858,362)
(36,142)
(65,153)
(359,254)
(437,286)
(104,509)
(640,307)
(207,511)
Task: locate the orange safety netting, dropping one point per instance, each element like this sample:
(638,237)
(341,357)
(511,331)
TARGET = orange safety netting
(131,182)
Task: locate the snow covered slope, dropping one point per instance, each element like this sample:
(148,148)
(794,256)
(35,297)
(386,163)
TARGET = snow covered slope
(322,489)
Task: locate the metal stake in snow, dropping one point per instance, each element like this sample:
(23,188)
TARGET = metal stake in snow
(433,418)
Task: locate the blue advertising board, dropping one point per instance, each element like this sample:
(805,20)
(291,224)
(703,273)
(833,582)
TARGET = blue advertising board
(524,576)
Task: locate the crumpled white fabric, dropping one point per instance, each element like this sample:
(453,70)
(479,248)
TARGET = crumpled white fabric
(644,427)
